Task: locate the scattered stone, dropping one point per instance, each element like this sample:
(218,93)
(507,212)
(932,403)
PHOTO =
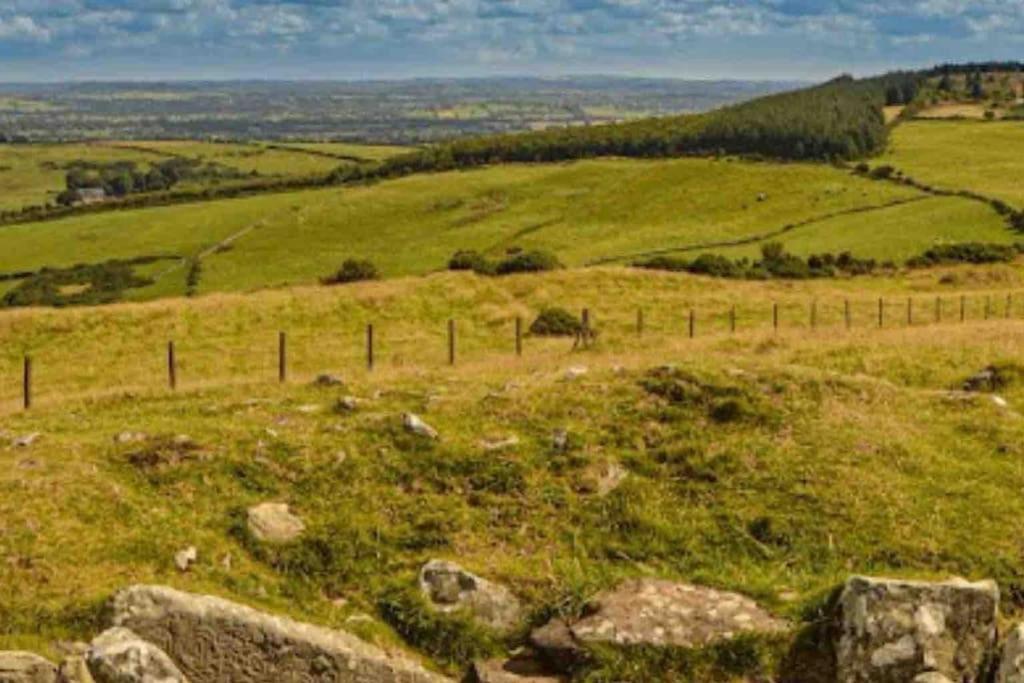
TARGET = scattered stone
(892,631)
(932,677)
(184,559)
(603,478)
(523,669)
(557,645)
(663,613)
(1011,665)
(340,457)
(762,197)
(348,404)
(1000,402)
(560,440)
(494,445)
(576,372)
(985,380)
(451,588)
(414,425)
(130,437)
(26,667)
(328,381)
(308,409)
(74,669)
(120,656)
(216,640)
(27,440)
(274,523)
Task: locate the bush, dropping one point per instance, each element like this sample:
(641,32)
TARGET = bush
(528,262)
(882,172)
(556,322)
(775,262)
(966,252)
(353,270)
(80,285)
(471,260)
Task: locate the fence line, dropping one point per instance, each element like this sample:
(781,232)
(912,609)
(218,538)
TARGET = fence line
(588,332)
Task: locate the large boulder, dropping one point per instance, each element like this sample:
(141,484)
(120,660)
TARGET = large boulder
(274,523)
(450,588)
(120,656)
(26,667)
(214,640)
(655,613)
(894,631)
(1011,664)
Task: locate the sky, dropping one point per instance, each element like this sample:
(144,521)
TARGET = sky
(55,40)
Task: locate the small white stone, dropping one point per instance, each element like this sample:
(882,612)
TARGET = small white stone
(184,559)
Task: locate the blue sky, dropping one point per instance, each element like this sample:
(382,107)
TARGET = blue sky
(357,39)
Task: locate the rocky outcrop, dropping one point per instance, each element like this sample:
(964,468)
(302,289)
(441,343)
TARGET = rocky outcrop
(655,613)
(450,588)
(1011,664)
(120,656)
(214,640)
(516,670)
(895,631)
(25,667)
(274,523)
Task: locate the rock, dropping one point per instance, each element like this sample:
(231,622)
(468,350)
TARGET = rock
(274,523)
(892,631)
(495,445)
(26,667)
(560,440)
(932,677)
(603,478)
(216,640)
(328,381)
(27,440)
(1000,402)
(120,656)
(1011,664)
(348,404)
(414,425)
(986,380)
(74,670)
(130,437)
(663,613)
(184,559)
(308,409)
(450,588)
(575,373)
(557,645)
(516,670)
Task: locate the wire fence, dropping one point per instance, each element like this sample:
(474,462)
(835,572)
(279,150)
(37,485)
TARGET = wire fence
(456,341)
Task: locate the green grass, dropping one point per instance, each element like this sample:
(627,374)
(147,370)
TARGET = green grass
(583,212)
(349,149)
(984,157)
(244,157)
(846,449)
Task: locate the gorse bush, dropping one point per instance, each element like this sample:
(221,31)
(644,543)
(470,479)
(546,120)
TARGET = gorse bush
(520,262)
(80,285)
(471,260)
(967,252)
(775,262)
(556,322)
(353,270)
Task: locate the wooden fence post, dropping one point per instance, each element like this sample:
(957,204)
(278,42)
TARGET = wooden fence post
(282,357)
(369,346)
(846,314)
(451,342)
(172,366)
(585,328)
(938,309)
(732,320)
(693,324)
(963,308)
(775,317)
(519,335)
(26,383)
(910,311)
(881,312)
(639,322)
(1009,306)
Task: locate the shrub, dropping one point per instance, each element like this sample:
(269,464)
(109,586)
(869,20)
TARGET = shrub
(353,270)
(528,262)
(966,252)
(556,322)
(471,260)
(882,172)
(80,285)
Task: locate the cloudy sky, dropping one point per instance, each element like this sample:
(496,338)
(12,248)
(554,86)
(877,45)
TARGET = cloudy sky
(357,39)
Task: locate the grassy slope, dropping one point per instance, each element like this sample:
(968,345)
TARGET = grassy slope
(582,211)
(850,459)
(983,157)
(245,157)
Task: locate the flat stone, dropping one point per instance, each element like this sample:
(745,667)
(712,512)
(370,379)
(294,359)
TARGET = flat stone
(1011,664)
(663,613)
(893,631)
(495,445)
(26,667)
(214,640)
(27,440)
(450,588)
(120,656)
(415,425)
(274,523)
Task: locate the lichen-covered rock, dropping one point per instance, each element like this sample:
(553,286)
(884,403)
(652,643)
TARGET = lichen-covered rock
(450,588)
(516,670)
(893,631)
(274,523)
(73,669)
(26,667)
(414,424)
(214,640)
(120,656)
(1011,664)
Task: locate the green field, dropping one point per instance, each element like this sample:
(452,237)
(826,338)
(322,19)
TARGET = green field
(348,149)
(244,157)
(984,157)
